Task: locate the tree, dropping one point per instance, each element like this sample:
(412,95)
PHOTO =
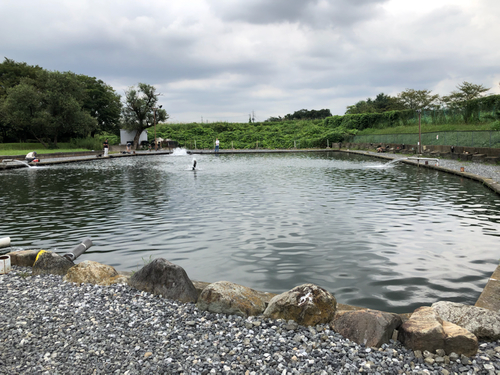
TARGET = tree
(466,91)
(103,103)
(12,72)
(417,99)
(363,106)
(313,114)
(381,103)
(48,107)
(138,114)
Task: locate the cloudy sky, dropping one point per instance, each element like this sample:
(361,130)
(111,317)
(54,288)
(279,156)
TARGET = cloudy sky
(223,59)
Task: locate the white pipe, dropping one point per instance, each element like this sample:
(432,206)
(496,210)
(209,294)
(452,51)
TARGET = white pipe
(4,242)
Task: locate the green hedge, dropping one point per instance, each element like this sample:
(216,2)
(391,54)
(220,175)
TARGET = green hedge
(486,109)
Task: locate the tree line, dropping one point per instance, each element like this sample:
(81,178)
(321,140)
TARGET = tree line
(51,106)
(302,114)
(411,99)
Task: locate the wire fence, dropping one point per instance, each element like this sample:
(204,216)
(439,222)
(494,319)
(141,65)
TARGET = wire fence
(489,139)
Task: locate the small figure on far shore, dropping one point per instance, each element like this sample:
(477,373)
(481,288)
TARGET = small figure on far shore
(31,156)
(194,164)
(106,147)
(129,147)
(216,144)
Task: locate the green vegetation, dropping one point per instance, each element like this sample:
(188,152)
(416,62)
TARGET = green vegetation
(140,111)
(51,107)
(17,152)
(272,135)
(483,111)
(303,114)
(419,99)
(46,111)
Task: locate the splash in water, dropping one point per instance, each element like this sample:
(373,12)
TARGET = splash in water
(23,162)
(179,152)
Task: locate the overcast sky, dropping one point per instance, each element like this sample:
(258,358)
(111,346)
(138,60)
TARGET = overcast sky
(223,59)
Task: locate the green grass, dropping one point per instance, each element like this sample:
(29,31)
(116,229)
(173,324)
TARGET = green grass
(38,151)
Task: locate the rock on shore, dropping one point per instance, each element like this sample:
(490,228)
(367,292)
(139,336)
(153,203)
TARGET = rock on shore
(49,326)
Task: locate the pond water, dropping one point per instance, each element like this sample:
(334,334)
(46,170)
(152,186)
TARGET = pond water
(388,237)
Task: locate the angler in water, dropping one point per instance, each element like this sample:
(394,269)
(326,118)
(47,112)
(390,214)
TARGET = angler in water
(194,164)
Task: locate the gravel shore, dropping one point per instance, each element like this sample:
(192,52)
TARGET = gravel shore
(53,327)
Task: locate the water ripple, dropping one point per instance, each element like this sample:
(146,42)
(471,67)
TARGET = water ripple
(387,238)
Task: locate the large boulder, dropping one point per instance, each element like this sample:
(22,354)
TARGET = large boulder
(232,299)
(306,304)
(423,331)
(90,272)
(369,327)
(426,330)
(23,258)
(161,277)
(483,323)
(48,262)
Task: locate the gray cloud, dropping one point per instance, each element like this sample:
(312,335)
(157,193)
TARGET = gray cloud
(314,13)
(223,59)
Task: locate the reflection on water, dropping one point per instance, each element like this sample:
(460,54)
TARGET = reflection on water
(386,238)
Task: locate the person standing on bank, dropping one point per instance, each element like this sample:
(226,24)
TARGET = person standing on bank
(216,144)
(106,147)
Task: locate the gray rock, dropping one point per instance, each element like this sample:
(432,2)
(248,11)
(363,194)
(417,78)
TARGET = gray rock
(307,304)
(369,327)
(160,277)
(232,299)
(48,262)
(483,323)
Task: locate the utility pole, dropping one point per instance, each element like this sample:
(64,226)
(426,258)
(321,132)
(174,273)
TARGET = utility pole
(419,132)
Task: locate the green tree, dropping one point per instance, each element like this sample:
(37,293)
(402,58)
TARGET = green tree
(103,103)
(363,106)
(305,114)
(49,107)
(12,72)
(418,99)
(138,113)
(23,111)
(381,103)
(466,91)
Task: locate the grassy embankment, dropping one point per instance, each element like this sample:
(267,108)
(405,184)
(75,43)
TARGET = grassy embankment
(76,145)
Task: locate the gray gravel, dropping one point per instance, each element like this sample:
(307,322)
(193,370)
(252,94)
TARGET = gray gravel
(52,327)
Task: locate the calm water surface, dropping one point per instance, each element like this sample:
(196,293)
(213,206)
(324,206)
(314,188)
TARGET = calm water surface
(385,237)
